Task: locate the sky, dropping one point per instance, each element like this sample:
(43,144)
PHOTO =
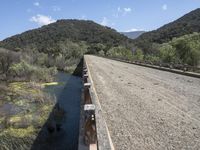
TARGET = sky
(17,16)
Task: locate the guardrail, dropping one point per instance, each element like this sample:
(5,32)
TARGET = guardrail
(93,133)
(178,69)
(183,67)
(88,140)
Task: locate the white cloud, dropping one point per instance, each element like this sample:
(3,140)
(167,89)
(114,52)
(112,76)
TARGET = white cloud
(164,7)
(133,30)
(112,24)
(127,10)
(42,19)
(36,4)
(83,17)
(122,11)
(56,8)
(104,21)
(119,9)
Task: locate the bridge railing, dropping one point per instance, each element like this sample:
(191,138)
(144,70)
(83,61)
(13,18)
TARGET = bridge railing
(170,67)
(94,133)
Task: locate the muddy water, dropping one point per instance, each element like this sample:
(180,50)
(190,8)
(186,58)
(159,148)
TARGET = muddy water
(68,94)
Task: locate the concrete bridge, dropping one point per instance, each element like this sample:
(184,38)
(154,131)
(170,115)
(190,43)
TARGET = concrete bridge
(128,107)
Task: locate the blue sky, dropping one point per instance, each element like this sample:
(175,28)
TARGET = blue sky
(123,15)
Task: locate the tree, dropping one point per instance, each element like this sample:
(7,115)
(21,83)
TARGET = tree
(139,54)
(7,58)
(188,48)
(167,53)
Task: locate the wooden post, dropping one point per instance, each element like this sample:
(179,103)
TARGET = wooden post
(90,136)
(85,71)
(87,98)
(85,78)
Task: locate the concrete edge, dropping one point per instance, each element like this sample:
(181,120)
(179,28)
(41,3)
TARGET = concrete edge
(186,73)
(103,135)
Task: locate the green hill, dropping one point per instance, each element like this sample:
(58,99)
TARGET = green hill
(187,24)
(64,42)
(49,38)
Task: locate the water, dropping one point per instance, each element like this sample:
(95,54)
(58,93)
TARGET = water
(68,94)
(9,110)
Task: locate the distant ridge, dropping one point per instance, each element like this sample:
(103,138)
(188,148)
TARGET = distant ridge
(133,35)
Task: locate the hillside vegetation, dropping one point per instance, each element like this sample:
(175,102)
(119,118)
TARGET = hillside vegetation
(63,43)
(48,38)
(182,50)
(23,66)
(187,24)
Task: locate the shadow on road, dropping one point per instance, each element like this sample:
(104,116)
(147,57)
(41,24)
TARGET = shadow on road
(61,130)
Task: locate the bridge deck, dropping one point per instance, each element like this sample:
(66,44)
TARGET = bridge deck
(146,108)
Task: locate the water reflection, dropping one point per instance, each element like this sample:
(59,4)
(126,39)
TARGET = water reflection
(68,94)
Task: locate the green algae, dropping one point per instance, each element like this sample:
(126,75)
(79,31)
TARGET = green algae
(50,83)
(20,102)
(25,87)
(2,120)
(8,98)
(21,132)
(15,119)
(45,111)
(35,108)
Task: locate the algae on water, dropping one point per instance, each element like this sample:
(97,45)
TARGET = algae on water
(24,109)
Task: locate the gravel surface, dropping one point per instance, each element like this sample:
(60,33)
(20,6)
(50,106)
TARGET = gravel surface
(146,108)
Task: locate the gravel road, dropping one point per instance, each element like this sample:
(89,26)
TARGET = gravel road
(146,108)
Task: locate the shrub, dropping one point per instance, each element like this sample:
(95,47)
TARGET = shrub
(25,72)
(139,55)
(167,53)
(120,52)
(7,58)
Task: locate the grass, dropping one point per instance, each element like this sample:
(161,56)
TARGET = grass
(21,133)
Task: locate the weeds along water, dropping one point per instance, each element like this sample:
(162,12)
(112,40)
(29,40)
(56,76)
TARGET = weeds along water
(27,110)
